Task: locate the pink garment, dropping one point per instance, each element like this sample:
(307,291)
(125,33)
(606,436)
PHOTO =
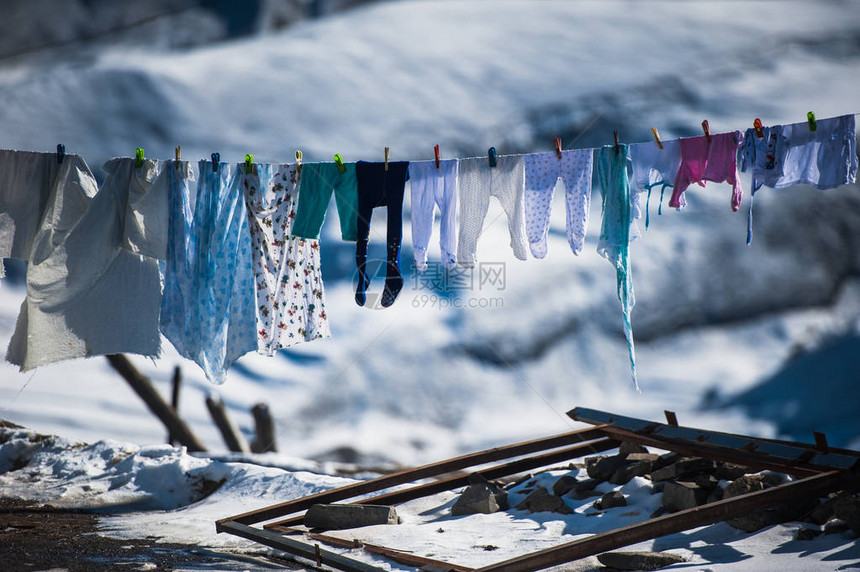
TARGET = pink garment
(702,161)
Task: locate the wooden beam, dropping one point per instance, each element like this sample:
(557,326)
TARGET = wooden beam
(768,450)
(143,387)
(746,459)
(398,556)
(512,468)
(410,475)
(229,432)
(174,399)
(821,441)
(302,549)
(673,523)
(264,428)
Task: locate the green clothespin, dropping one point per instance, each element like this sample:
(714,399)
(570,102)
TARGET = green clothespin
(338,160)
(249,164)
(810,118)
(138,155)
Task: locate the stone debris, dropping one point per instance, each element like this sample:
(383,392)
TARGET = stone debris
(343,516)
(639,560)
(481,496)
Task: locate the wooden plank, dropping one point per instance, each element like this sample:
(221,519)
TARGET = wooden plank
(673,523)
(775,450)
(233,438)
(751,460)
(821,441)
(398,556)
(302,549)
(511,468)
(671,418)
(410,475)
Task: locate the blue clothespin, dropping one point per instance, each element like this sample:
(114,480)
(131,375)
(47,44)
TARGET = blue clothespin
(810,118)
(216,158)
(338,161)
(249,164)
(138,154)
(491,156)
(61,153)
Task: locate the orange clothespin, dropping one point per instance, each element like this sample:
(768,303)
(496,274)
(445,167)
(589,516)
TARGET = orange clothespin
(656,137)
(558,147)
(386,158)
(707,129)
(615,134)
(436,153)
(759,128)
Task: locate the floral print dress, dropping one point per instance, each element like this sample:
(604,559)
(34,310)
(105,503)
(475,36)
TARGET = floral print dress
(289,285)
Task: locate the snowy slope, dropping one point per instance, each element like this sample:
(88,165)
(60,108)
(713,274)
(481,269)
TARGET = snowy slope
(421,381)
(184,495)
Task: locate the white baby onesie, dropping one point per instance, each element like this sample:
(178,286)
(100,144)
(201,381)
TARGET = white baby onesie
(478,182)
(433,186)
(542,173)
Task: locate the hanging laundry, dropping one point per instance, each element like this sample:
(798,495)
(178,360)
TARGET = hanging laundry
(793,155)
(289,286)
(28,183)
(431,186)
(147,216)
(617,230)
(319,181)
(380,187)
(542,172)
(652,167)
(85,294)
(708,159)
(479,182)
(207,311)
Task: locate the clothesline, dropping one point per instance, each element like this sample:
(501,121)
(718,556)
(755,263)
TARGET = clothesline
(241,254)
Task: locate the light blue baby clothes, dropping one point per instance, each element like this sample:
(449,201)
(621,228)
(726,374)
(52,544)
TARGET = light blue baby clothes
(207,310)
(617,229)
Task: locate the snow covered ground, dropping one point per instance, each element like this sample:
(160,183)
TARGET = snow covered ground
(425,379)
(170,485)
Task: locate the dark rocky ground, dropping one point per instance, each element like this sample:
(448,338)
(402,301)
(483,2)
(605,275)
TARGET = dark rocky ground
(45,538)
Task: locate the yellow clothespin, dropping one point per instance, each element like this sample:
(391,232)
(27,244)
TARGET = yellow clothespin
(386,158)
(338,161)
(298,161)
(178,155)
(656,137)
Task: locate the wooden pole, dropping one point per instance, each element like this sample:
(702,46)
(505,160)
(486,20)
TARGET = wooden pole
(232,438)
(265,429)
(174,401)
(143,387)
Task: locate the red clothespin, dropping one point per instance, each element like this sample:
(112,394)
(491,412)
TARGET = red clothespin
(386,158)
(558,147)
(617,148)
(656,137)
(436,153)
(759,128)
(707,129)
